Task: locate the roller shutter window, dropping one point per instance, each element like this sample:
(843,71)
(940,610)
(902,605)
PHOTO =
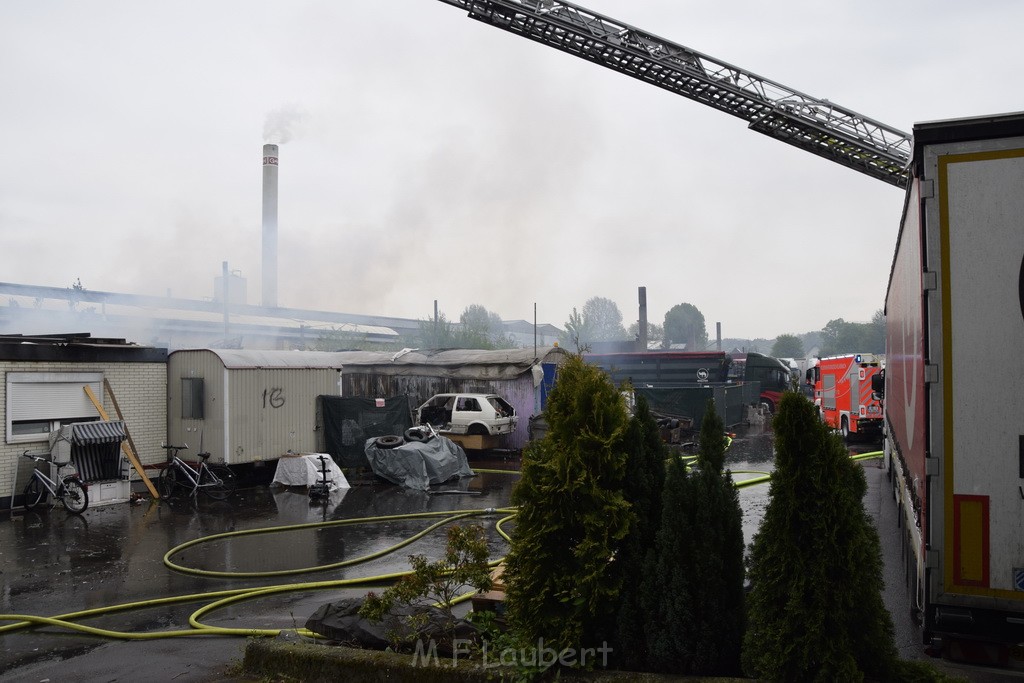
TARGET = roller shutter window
(39,402)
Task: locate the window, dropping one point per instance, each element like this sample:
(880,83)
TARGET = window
(40,402)
(192,398)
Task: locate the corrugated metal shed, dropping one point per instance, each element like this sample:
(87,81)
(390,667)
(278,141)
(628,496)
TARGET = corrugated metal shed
(518,375)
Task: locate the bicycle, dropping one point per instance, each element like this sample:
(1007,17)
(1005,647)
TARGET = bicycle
(69,489)
(216,481)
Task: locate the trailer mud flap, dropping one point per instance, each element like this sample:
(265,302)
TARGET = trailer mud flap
(971,540)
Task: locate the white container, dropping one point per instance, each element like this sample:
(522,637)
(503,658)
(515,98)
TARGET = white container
(109,492)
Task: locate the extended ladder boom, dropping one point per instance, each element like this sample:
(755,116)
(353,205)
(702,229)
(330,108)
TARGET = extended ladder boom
(817,126)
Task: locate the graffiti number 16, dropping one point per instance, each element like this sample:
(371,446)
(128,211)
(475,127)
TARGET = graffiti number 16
(273,397)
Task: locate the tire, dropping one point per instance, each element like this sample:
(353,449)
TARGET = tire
(76,498)
(389,441)
(844,429)
(414,434)
(35,494)
(169,481)
(227,482)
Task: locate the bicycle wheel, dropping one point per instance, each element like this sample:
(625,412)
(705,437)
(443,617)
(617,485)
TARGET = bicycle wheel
(169,481)
(75,498)
(35,494)
(225,481)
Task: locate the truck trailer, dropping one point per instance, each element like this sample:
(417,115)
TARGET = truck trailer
(953,405)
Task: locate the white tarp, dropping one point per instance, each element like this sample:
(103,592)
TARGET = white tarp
(306,469)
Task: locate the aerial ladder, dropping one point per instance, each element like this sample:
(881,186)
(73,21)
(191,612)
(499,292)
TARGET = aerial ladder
(814,125)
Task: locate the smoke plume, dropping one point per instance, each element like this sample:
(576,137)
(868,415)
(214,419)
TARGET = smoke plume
(283,124)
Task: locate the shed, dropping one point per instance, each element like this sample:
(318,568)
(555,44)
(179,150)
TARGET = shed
(246,406)
(522,376)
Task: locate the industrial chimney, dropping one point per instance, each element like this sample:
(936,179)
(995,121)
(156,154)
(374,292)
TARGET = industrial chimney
(270,225)
(641,340)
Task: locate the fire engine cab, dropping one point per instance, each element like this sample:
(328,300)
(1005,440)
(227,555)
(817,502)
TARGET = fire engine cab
(843,394)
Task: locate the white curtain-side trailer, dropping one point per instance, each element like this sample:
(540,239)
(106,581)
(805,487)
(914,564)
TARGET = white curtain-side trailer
(954,405)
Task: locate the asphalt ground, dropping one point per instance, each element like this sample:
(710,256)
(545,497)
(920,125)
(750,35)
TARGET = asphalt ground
(52,563)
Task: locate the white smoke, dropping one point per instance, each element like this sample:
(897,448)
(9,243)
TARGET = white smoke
(283,124)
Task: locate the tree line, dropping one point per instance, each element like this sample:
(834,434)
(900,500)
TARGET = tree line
(600,320)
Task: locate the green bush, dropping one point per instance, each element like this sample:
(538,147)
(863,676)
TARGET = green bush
(465,563)
(815,607)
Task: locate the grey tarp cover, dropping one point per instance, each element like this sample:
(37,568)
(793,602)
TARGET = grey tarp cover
(418,464)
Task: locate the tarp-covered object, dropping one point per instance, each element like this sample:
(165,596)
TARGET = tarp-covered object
(307,469)
(349,421)
(340,621)
(418,464)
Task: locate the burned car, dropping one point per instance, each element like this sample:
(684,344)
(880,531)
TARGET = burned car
(485,414)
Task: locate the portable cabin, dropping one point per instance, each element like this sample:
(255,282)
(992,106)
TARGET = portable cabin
(246,406)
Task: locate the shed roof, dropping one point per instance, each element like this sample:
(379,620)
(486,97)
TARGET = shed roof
(497,364)
(241,359)
(465,363)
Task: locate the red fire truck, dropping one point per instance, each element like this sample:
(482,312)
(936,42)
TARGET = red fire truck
(843,394)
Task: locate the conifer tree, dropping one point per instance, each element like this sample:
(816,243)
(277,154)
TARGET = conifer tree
(642,488)
(669,586)
(718,571)
(700,616)
(816,610)
(572,515)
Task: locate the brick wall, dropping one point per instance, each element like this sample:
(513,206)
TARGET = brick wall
(141,393)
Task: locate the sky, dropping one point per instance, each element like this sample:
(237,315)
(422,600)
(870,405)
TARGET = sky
(425,156)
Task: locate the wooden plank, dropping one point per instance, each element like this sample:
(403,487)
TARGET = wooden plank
(120,416)
(473,442)
(128,450)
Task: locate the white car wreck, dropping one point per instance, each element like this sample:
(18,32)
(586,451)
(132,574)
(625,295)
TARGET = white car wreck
(484,414)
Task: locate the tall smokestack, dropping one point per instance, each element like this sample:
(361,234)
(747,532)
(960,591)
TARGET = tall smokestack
(642,324)
(270,225)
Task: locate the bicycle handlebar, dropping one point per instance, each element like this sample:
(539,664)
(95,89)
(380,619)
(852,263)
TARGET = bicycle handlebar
(34,457)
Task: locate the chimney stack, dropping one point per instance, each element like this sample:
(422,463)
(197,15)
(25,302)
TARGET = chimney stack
(642,341)
(270,225)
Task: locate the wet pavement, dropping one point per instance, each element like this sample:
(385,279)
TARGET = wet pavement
(52,563)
